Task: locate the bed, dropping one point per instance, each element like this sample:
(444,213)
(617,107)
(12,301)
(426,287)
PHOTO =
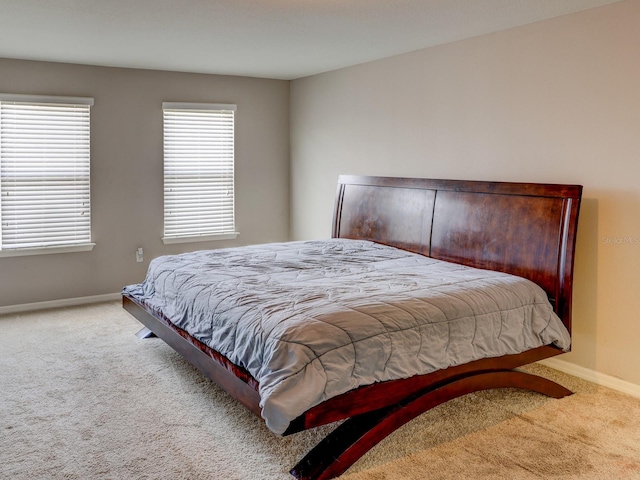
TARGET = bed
(388,285)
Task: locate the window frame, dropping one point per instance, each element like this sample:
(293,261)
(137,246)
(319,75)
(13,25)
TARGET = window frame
(53,248)
(204,235)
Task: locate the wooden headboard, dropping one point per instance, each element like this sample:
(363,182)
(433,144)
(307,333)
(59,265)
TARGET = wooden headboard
(526,229)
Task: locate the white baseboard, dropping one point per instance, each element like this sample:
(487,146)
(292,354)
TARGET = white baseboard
(593,376)
(67,302)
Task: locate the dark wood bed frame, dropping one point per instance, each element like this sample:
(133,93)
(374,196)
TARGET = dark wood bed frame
(521,228)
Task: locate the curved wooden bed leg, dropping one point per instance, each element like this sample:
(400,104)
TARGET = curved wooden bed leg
(357,435)
(528,381)
(145,333)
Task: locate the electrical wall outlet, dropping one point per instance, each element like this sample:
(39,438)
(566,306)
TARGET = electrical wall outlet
(139,254)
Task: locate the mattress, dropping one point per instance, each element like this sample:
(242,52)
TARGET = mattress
(312,320)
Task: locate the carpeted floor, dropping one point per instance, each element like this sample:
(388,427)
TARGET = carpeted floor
(82,398)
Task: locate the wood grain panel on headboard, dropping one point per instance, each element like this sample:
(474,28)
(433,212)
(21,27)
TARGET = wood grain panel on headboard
(371,213)
(525,229)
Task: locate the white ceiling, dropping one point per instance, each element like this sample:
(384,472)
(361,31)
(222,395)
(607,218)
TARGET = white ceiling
(282,39)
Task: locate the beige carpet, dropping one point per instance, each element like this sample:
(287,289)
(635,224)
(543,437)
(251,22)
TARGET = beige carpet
(82,398)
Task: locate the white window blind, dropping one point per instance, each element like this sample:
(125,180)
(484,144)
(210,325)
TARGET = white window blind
(44,171)
(198,171)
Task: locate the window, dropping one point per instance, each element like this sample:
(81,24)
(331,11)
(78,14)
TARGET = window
(198,172)
(44,174)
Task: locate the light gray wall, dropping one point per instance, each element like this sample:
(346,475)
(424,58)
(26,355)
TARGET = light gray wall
(556,101)
(126,171)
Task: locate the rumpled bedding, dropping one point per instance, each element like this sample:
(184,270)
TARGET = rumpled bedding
(311,320)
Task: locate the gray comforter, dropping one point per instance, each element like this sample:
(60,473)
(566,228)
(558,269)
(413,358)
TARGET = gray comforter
(312,320)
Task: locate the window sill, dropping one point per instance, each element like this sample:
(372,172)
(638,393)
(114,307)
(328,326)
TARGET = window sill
(200,238)
(22,252)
